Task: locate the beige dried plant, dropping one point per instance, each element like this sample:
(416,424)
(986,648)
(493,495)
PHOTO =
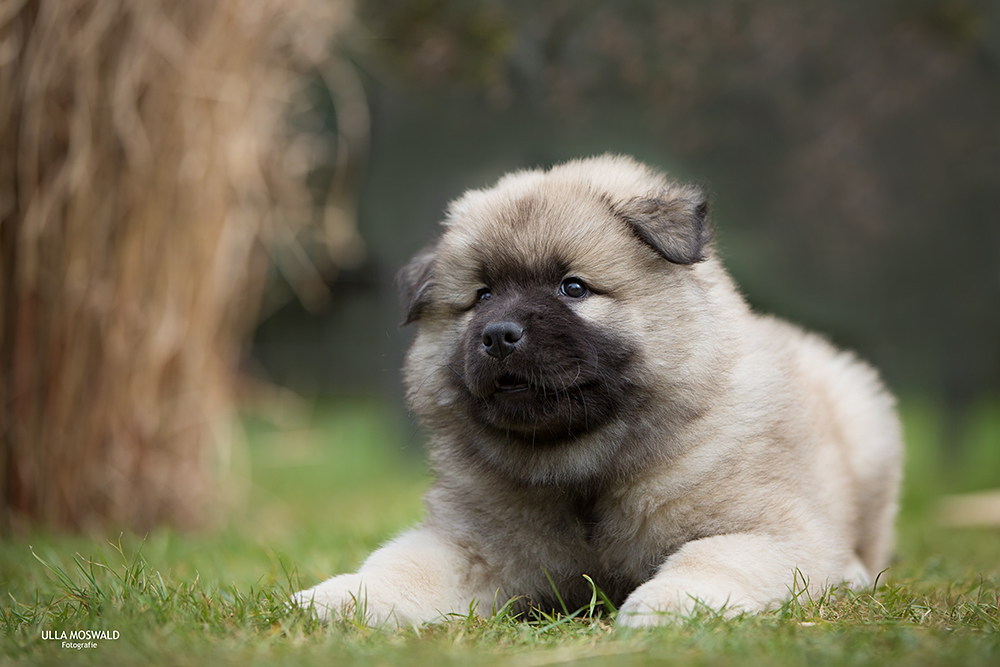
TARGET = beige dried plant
(147,176)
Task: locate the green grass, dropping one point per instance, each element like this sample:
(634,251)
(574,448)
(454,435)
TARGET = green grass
(325,494)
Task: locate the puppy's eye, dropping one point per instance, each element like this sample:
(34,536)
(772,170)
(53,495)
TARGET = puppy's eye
(483,293)
(574,288)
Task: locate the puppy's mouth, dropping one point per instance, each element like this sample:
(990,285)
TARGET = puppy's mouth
(509,383)
(512,385)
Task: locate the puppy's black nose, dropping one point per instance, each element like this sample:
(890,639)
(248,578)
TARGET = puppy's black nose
(500,338)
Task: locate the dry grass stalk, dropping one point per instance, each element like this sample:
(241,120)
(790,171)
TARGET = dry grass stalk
(144,155)
(970,510)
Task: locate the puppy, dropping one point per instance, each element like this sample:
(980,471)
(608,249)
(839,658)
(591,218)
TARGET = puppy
(602,402)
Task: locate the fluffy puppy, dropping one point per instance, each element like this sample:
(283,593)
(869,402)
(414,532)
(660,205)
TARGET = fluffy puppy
(601,401)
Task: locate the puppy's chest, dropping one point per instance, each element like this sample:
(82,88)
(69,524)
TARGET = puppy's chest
(601,537)
(532,540)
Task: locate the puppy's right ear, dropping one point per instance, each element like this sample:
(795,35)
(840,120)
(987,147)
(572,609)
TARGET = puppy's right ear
(676,227)
(415,281)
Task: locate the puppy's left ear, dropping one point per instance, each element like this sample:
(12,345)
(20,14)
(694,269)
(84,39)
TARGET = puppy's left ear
(415,281)
(677,227)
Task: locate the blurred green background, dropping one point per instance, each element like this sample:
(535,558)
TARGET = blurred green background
(852,152)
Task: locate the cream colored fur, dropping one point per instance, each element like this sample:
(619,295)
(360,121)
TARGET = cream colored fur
(771,457)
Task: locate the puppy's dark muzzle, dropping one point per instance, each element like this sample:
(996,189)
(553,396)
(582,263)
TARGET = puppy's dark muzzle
(501,338)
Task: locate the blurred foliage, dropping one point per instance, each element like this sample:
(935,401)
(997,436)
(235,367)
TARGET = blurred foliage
(852,149)
(855,146)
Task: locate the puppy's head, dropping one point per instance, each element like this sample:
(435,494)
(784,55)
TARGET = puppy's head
(551,314)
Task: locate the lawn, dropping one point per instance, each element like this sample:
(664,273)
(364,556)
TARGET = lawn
(329,488)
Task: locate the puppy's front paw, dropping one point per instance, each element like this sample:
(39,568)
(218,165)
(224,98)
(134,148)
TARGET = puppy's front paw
(662,601)
(344,596)
(371,599)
